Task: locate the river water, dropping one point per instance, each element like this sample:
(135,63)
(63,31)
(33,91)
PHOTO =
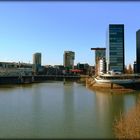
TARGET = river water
(57,110)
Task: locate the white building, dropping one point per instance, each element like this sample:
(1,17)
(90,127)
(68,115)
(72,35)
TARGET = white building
(101,66)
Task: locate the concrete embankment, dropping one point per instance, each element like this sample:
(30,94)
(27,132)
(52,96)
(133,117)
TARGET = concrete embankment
(109,87)
(36,79)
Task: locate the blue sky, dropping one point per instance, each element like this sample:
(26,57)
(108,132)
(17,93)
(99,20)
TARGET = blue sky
(54,27)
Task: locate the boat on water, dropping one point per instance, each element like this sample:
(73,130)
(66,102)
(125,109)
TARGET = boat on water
(117,78)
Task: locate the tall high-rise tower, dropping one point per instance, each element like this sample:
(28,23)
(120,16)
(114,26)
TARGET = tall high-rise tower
(138,51)
(36,62)
(69,57)
(115,48)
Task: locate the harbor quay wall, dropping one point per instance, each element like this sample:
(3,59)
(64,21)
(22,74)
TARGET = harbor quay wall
(91,83)
(54,77)
(36,78)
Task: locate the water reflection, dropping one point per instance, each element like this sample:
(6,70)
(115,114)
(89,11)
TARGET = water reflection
(57,110)
(36,112)
(68,110)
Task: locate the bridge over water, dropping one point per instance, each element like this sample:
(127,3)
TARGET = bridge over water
(37,78)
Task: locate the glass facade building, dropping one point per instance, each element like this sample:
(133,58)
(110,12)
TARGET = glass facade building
(138,51)
(115,49)
(36,62)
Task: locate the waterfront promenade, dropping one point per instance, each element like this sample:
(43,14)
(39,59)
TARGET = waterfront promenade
(112,85)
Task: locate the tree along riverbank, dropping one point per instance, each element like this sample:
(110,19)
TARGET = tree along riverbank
(128,125)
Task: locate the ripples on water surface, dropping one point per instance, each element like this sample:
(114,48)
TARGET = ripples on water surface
(57,110)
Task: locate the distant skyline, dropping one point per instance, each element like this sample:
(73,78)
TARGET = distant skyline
(54,27)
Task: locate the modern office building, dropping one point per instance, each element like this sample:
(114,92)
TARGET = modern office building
(68,61)
(138,51)
(115,47)
(36,61)
(135,67)
(84,67)
(100,53)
